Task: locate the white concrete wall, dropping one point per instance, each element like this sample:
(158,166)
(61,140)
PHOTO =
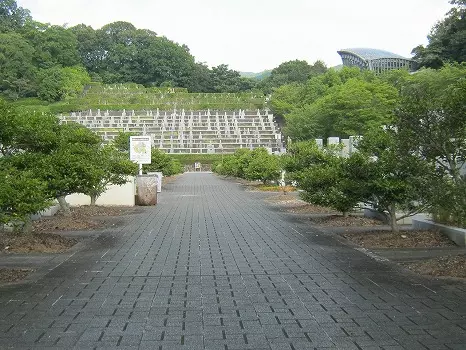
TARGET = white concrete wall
(115,195)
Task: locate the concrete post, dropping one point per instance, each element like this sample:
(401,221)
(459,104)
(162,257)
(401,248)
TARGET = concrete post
(146,190)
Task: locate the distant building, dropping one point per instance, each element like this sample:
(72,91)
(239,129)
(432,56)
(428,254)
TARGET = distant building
(375,60)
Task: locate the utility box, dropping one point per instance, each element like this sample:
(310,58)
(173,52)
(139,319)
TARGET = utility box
(146,190)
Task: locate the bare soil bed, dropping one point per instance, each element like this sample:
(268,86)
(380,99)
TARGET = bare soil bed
(13,275)
(451,266)
(342,221)
(270,188)
(82,218)
(38,242)
(402,239)
(296,205)
(444,266)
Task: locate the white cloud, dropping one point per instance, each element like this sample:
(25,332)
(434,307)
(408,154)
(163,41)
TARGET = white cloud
(255,35)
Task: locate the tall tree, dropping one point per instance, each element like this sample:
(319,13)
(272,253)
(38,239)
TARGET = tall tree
(348,109)
(447,39)
(12,17)
(54,45)
(298,72)
(17,70)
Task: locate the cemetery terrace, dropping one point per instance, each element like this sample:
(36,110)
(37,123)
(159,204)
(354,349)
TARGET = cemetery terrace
(180,131)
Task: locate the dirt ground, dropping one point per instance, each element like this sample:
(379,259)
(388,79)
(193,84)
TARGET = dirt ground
(13,275)
(341,221)
(451,266)
(38,242)
(82,218)
(402,239)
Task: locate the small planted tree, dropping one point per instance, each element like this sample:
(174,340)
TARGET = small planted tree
(432,123)
(394,181)
(262,166)
(105,167)
(21,195)
(164,163)
(322,175)
(121,141)
(66,168)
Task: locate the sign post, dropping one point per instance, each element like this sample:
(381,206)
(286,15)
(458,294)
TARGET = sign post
(140,150)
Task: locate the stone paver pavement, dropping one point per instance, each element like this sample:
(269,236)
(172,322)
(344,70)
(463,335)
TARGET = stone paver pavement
(213,267)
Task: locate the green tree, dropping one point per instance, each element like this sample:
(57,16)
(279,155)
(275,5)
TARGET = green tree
(162,162)
(352,108)
(297,72)
(66,169)
(395,180)
(12,17)
(121,141)
(224,79)
(50,84)
(262,166)
(323,176)
(58,83)
(432,123)
(21,195)
(23,136)
(22,132)
(447,39)
(286,98)
(53,45)
(17,71)
(105,167)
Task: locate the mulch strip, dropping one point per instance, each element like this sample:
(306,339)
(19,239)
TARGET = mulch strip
(39,242)
(310,209)
(402,239)
(342,221)
(451,266)
(82,218)
(13,275)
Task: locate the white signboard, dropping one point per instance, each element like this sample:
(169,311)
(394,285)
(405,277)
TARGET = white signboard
(139,149)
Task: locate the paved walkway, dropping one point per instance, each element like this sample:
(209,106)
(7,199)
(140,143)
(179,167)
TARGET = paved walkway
(213,267)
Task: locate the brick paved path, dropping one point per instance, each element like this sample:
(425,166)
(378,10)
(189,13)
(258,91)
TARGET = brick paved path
(213,267)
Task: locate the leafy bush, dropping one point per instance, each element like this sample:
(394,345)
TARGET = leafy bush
(164,163)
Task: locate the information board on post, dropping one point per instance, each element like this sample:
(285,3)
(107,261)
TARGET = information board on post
(140,149)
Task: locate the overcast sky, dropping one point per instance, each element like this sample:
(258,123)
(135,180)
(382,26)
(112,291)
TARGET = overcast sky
(254,35)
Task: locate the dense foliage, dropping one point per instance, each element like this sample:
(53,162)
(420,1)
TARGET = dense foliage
(55,63)
(42,161)
(447,39)
(253,165)
(343,103)
(412,156)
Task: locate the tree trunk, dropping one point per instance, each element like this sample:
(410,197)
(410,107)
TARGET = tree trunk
(64,206)
(345,214)
(27,225)
(93,200)
(392,218)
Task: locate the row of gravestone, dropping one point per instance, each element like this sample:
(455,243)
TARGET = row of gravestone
(225,132)
(348,146)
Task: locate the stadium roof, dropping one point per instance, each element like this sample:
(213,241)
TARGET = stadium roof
(372,54)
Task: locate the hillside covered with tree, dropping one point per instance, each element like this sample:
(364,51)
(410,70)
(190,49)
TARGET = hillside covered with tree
(54,62)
